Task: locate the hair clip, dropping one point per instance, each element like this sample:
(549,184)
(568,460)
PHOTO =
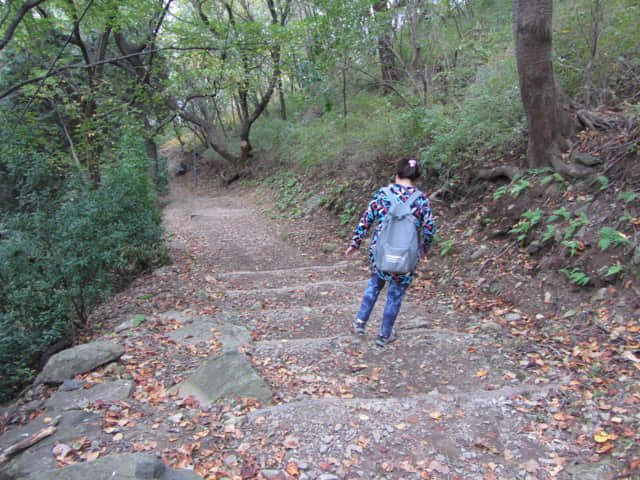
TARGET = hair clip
(412,162)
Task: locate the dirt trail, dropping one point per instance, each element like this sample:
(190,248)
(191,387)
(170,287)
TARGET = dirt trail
(448,400)
(438,403)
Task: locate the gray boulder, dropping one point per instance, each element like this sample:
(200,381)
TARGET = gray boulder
(81,359)
(127,466)
(225,376)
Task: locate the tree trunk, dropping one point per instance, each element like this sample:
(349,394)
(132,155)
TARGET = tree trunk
(283,105)
(385,51)
(545,105)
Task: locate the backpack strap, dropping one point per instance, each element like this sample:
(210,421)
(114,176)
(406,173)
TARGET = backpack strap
(392,198)
(414,196)
(389,194)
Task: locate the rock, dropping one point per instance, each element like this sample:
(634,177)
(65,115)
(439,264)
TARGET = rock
(127,466)
(108,392)
(586,159)
(479,253)
(225,376)
(73,424)
(491,326)
(329,247)
(534,247)
(81,359)
(588,471)
(70,385)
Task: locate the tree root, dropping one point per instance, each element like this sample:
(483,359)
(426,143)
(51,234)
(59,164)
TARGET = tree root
(500,171)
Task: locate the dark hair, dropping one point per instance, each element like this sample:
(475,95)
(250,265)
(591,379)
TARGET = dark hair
(408,168)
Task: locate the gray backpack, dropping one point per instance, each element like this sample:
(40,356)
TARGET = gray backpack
(397,248)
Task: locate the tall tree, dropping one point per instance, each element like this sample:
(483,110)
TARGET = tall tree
(90,81)
(236,68)
(548,119)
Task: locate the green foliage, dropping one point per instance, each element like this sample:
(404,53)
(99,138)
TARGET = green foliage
(514,189)
(603,181)
(459,131)
(500,192)
(290,194)
(529,220)
(574,224)
(608,237)
(614,270)
(446,246)
(615,66)
(572,245)
(374,129)
(627,197)
(576,276)
(61,256)
(549,234)
(519,187)
(554,176)
(560,212)
(347,214)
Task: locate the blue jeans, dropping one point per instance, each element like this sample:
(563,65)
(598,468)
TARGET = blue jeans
(394,299)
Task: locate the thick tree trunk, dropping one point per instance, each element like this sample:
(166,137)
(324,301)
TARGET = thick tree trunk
(548,119)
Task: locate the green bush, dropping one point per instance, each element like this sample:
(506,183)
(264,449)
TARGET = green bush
(61,257)
(487,121)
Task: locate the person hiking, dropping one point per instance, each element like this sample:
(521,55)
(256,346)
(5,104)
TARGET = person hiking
(407,172)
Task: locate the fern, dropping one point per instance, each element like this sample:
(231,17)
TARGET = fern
(614,269)
(560,212)
(576,276)
(520,187)
(627,197)
(549,234)
(611,237)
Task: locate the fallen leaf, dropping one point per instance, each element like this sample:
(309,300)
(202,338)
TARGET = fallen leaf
(291,442)
(602,437)
(435,414)
(292,469)
(91,456)
(436,466)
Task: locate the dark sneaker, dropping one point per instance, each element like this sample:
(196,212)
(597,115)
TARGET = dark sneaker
(358,326)
(382,341)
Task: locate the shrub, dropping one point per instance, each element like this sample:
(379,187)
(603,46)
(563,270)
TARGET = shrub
(60,258)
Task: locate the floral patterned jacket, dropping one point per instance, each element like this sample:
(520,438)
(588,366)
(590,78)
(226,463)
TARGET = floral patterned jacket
(378,208)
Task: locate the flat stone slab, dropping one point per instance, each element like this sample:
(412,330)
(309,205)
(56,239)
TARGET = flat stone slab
(445,435)
(279,278)
(126,466)
(204,329)
(308,294)
(81,359)
(225,376)
(83,397)
(37,458)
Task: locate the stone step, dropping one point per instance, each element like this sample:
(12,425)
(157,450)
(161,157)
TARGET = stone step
(326,320)
(296,296)
(279,278)
(478,435)
(353,366)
